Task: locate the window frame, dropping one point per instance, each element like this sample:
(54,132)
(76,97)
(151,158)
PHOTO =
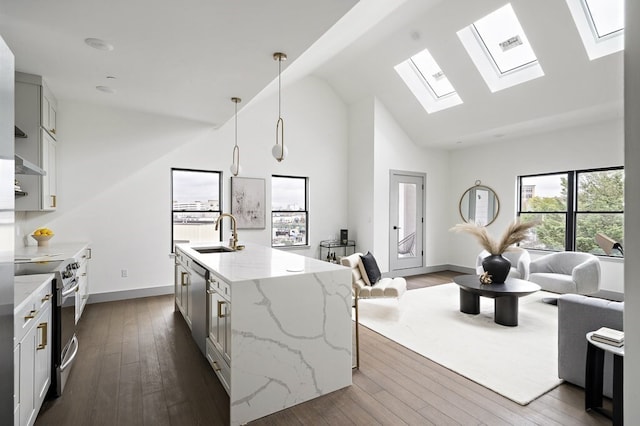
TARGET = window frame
(572,210)
(220,200)
(305,211)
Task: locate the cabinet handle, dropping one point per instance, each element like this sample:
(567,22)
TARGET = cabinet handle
(209,292)
(53,131)
(220,305)
(43,327)
(216,367)
(31,314)
(183,274)
(90,254)
(53,201)
(45,298)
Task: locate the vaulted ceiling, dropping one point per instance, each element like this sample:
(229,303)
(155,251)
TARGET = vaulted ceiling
(574,90)
(188,58)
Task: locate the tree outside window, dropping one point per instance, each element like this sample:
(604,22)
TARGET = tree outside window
(573,207)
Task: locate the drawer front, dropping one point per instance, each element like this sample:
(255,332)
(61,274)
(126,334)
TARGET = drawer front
(25,318)
(43,297)
(220,367)
(222,287)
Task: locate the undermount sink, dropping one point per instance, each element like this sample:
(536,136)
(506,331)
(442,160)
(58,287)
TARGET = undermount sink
(213,249)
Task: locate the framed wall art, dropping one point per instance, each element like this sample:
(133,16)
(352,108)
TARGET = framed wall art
(248,202)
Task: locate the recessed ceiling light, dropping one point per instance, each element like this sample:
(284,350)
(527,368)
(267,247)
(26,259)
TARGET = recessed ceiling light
(99,44)
(106,89)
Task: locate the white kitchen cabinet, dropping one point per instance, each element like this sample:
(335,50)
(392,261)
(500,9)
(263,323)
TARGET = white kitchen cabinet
(182,281)
(219,315)
(49,111)
(36,115)
(32,353)
(218,344)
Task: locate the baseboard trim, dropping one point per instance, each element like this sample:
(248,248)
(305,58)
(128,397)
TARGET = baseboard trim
(429,270)
(129,294)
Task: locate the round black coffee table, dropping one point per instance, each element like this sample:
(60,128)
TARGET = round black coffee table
(505,296)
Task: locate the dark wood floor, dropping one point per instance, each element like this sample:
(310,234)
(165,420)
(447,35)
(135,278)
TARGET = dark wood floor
(137,365)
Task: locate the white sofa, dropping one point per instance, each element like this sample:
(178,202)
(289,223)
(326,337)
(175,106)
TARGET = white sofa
(385,287)
(566,272)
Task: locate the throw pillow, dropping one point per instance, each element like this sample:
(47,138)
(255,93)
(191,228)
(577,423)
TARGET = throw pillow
(372,272)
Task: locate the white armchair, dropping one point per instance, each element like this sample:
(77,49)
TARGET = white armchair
(518,257)
(566,272)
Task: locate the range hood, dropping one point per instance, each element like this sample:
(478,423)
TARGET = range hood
(24,167)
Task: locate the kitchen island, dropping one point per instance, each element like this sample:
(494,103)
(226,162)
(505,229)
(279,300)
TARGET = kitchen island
(278,329)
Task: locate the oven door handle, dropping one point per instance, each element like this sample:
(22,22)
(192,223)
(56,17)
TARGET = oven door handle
(74,342)
(71,290)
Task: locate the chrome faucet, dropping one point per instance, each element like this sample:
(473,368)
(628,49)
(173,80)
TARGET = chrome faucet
(233,242)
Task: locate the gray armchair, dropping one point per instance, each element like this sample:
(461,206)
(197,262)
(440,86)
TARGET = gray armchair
(566,272)
(578,315)
(518,257)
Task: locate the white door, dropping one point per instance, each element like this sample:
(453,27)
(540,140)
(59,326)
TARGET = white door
(406,217)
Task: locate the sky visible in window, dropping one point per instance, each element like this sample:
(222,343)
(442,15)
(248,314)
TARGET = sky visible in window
(505,40)
(607,16)
(287,192)
(433,76)
(190,186)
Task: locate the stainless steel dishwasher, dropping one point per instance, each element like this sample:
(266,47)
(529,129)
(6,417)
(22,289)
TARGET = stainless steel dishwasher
(198,297)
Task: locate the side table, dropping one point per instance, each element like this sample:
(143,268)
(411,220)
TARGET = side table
(331,256)
(593,378)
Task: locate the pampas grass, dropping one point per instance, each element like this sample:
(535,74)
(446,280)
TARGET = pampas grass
(515,233)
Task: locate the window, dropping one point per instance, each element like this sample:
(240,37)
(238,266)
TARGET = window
(500,50)
(574,207)
(427,82)
(600,24)
(289,211)
(195,196)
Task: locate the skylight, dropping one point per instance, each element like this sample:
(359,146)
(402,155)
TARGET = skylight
(600,24)
(607,16)
(500,50)
(427,82)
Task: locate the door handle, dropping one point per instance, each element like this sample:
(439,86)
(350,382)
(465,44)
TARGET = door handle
(396,227)
(43,328)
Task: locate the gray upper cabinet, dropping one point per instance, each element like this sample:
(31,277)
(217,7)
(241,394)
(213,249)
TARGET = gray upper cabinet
(35,115)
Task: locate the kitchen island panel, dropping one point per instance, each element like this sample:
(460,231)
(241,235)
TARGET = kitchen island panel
(291,341)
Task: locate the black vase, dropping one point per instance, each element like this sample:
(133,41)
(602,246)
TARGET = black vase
(497,266)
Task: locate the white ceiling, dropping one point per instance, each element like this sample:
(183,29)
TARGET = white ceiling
(179,58)
(188,58)
(573,90)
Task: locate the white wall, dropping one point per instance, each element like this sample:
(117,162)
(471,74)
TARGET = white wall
(377,145)
(360,175)
(632,214)
(498,164)
(114,177)
(395,151)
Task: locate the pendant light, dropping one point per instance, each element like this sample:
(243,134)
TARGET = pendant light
(235,165)
(279,151)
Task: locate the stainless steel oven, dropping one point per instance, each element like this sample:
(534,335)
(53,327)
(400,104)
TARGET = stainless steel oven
(65,342)
(68,341)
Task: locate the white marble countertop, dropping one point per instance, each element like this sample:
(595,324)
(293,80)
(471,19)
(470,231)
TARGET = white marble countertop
(256,262)
(51,252)
(25,286)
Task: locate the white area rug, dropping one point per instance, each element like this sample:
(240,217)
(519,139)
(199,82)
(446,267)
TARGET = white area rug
(520,363)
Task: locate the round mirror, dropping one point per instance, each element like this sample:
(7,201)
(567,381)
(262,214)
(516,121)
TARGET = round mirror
(480,205)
